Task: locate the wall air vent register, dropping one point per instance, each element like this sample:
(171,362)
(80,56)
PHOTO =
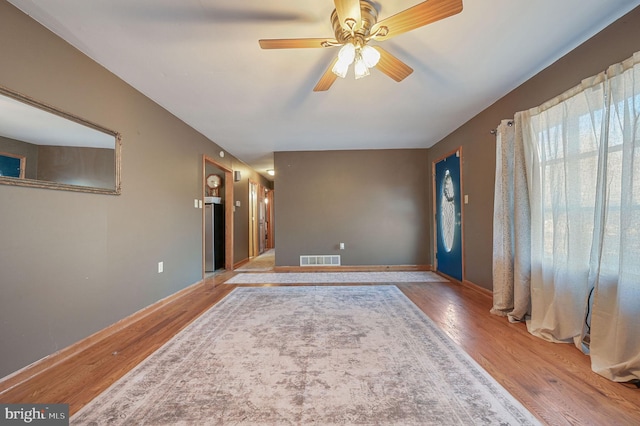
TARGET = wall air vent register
(320,260)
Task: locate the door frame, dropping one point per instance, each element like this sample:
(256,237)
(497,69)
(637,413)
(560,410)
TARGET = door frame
(228,211)
(269,200)
(254,234)
(435,213)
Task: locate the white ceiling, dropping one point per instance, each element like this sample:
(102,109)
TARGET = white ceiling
(200,60)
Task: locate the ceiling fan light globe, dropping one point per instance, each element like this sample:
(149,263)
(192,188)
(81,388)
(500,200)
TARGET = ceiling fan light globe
(360,68)
(347,53)
(340,68)
(370,56)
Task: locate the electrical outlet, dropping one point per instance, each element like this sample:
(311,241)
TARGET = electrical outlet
(341,246)
(160,267)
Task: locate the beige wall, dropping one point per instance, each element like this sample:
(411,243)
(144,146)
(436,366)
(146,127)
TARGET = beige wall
(73,263)
(614,44)
(374,201)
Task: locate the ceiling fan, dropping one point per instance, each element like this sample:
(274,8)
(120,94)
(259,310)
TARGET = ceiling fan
(355,24)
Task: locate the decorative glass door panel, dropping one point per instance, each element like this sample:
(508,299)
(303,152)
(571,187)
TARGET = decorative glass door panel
(448,216)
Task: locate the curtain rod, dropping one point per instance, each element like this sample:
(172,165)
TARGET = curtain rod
(495,131)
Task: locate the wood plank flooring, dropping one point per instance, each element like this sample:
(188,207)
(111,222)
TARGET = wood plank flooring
(553,381)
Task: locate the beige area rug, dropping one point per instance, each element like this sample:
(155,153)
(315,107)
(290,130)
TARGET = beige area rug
(335,277)
(265,262)
(324,355)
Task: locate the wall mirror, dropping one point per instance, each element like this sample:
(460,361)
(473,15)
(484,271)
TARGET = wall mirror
(41,146)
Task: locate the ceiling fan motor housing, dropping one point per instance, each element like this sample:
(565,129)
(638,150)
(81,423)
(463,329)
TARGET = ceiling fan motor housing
(369,16)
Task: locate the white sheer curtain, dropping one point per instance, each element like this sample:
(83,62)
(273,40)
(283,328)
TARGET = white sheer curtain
(615,321)
(582,168)
(561,138)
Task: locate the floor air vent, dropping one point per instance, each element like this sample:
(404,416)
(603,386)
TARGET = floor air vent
(320,260)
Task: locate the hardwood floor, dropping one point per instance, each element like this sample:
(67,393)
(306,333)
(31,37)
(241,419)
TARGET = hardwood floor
(553,381)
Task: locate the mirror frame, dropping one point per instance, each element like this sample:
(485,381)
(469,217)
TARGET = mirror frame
(34,183)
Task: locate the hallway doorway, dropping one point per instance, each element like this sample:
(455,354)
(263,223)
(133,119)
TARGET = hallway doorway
(225,194)
(260,219)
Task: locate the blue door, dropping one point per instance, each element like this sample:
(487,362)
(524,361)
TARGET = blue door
(448,216)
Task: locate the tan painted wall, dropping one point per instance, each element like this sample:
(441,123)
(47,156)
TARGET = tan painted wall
(374,201)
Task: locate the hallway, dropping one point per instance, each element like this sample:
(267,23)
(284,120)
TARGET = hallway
(265,262)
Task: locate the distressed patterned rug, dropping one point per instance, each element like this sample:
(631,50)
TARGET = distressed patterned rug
(335,277)
(308,355)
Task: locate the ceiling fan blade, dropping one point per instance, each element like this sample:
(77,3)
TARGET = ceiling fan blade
(349,10)
(392,66)
(296,43)
(327,79)
(416,17)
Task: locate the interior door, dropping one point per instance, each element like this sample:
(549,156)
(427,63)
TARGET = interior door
(448,216)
